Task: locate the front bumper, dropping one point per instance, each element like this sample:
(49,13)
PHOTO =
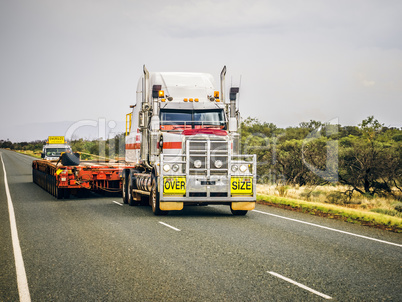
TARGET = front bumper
(208,188)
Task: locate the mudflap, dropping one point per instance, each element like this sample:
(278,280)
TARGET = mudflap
(243,206)
(170,206)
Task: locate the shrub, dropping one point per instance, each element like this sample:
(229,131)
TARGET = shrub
(398,207)
(282,190)
(337,197)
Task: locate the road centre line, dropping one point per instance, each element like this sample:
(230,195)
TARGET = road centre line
(328,228)
(300,285)
(116,202)
(169,226)
(22,282)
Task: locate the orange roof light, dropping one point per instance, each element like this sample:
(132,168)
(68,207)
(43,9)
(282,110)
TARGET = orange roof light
(196,100)
(161,93)
(216,94)
(185,99)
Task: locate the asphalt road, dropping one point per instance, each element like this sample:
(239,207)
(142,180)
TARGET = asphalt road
(96,249)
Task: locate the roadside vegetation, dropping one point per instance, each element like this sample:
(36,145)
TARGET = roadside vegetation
(316,166)
(354,168)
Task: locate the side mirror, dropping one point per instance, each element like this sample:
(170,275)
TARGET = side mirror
(42,155)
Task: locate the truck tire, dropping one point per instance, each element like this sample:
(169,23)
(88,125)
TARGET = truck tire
(131,201)
(125,187)
(154,198)
(238,212)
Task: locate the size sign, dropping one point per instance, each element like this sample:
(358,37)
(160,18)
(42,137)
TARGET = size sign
(174,185)
(241,186)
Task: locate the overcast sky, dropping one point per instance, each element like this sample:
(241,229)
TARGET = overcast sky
(68,61)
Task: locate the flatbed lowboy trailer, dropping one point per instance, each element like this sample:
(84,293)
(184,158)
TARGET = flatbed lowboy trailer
(61,181)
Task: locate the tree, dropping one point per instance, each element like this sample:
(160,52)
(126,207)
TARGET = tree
(366,164)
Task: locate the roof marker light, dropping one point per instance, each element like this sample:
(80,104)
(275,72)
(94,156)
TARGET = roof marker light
(185,99)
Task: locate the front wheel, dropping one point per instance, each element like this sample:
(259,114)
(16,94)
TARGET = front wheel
(154,198)
(238,212)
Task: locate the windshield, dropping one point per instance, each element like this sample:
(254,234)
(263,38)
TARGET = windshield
(55,151)
(192,119)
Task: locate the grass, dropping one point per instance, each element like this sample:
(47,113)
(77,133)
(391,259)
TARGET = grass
(377,212)
(35,154)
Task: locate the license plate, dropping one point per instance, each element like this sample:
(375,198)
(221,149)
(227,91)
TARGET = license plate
(241,186)
(174,185)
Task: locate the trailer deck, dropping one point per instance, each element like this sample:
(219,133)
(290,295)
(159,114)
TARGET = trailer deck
(61,181)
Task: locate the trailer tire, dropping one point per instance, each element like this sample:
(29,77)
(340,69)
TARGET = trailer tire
(70,159)
(154,198)
(59,193)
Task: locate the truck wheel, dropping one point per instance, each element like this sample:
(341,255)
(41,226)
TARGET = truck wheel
(131,201)
(238,212)
(154,198)
(125,188)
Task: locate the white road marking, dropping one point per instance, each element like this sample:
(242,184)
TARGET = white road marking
(22,282)
(300,285)
(169,226)
(116,202)
(328,228)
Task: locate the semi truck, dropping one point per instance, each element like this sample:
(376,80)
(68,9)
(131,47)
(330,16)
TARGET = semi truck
(182,141)
(182,148)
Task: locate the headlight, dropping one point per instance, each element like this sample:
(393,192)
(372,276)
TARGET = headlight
(166,168)
(175,167)
(218,164)
(243,168)
(234,168)
(197,164)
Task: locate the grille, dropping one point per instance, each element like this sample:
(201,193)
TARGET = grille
(207,152)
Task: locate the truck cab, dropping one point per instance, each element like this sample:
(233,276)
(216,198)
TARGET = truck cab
(182,136)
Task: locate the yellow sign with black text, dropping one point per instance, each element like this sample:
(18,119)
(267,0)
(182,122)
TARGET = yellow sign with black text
(241,186)
(174,185)
(56,140)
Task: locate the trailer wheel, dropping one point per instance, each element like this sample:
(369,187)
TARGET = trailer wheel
(59,193)
(154,198)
